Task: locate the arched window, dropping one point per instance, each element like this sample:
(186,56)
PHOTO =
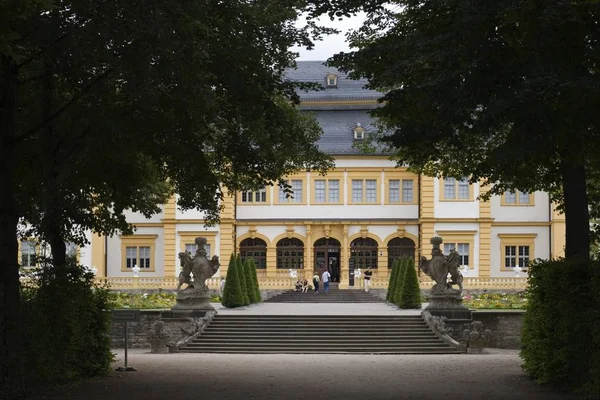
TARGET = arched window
(364,253)
(256,249)
(290,254)
(398,248)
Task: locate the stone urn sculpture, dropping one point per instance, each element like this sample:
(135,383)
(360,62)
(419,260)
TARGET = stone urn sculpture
(196,295)
(476,338)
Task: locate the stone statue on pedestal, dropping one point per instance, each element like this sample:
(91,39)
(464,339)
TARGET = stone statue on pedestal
(445,300)
(196,295)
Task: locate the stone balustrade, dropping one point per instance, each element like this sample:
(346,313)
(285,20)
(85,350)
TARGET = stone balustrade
(283,281)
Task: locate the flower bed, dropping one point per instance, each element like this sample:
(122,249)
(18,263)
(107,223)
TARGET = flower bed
(148,300)
(502,301)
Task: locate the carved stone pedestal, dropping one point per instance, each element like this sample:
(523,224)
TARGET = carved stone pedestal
(193,299)
(448,305)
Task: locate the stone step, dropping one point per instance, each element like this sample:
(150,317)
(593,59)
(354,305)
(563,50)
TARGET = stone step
(360,340)
(317,335)
(305,350)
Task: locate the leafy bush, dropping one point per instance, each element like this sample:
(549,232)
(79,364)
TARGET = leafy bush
(243,281)
(560,325)
(410,294)
(232,292)
(249,281)
(143,301)
(257,295)
(68,323)
(392,283)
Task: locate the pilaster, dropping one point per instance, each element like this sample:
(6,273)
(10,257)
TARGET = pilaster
(99,254)
(426,205)
(227,231)
(170,237)
(485,234)
(557,225)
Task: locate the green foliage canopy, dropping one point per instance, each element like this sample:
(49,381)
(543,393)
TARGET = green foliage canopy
(503,91)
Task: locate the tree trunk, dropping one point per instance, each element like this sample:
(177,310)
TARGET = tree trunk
(11,364)
(51,223)
(577,217)
(59,250)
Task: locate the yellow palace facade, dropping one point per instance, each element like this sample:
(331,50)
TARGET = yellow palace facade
(364,213)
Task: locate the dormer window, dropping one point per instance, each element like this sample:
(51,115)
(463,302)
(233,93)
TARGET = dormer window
(359,132)
(332,80)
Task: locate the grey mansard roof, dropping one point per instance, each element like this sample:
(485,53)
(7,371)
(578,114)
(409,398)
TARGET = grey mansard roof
(347,89)
(337,120)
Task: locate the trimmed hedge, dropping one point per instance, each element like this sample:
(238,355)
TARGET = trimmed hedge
(392,283)
(258,297)
(400,275)
(232,292)
(243,281)
(560,336)
(249,282)
(67,318)
(410,294)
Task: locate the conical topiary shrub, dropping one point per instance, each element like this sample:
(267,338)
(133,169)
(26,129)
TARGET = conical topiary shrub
(411,293)
(392,283)
(402,265)
(249,281)
(232,292)
(255,278)
(243,281)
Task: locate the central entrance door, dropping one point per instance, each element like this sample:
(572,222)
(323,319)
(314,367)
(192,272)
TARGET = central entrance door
(327,256)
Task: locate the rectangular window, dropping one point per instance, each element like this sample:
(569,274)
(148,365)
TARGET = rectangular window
(517,198)
(461,248)
(191,248)
(247,197)
(523,256)
(510,256)
(282,193)
(407,190)
(463,189)
(297,188)
(357,190)
(516,255)
(144,257)
(394,190)
(28,253)
(320,191)
(523,198)
(334,191)
(131,256)
(450,188)
(510,198)
(371,191)
(259,196)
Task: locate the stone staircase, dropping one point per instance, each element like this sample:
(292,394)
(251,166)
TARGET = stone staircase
(335,295)
(356,334)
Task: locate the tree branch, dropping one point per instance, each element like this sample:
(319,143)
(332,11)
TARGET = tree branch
(64,108)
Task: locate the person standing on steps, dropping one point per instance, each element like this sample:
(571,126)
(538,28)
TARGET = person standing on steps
(368,274)
(326,277)
(316,281)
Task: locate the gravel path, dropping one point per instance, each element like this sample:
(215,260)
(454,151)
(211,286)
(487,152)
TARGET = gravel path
(496,375)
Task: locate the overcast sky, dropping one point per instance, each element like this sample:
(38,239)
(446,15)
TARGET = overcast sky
(333,43)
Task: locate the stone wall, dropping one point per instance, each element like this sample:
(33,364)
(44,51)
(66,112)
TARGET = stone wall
(505,326)
(177,326)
